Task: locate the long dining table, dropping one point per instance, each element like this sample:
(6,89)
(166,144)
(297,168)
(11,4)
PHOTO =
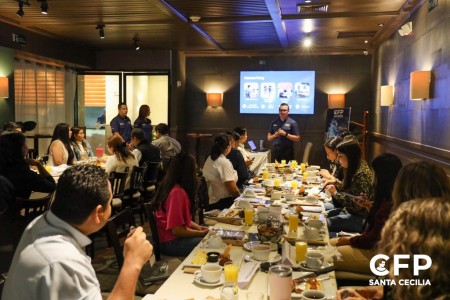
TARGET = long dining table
(182,284)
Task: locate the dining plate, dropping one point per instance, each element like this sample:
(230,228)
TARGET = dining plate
(198,279)
(273,257)
(304,267)
(248,246)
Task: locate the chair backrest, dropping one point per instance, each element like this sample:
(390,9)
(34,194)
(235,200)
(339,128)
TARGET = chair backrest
(31,154)
(307,152)
(137,178)
(153,229)
(202,198)
(117,180)
(151,176)
(31,208)
(117,229)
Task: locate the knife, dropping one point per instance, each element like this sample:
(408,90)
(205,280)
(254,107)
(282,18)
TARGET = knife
(304,277)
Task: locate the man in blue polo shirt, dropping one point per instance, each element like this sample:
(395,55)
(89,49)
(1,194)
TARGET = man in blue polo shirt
(283,132)
(121,124)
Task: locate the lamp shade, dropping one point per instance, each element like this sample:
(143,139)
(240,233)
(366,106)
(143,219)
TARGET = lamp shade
(214,99)
(4,87)
(387,95)
(419,85)
(336,100)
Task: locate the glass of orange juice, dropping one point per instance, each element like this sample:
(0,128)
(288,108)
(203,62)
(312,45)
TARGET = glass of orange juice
(293,221)
(231,271)
(265,175)
(300,251)
(249,215)
(294,164)
(277,182)
(294,184)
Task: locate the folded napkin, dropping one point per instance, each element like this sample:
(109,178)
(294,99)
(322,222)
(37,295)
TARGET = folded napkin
(246,272)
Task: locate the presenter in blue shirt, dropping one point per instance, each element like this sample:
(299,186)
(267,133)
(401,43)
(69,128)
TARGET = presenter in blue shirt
(121,124)
(283,132)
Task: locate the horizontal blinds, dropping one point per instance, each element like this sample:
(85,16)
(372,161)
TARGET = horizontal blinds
(95,91)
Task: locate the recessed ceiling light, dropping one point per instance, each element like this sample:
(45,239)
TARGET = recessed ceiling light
(307,1)
(366,41)
(307,42)
(381,25)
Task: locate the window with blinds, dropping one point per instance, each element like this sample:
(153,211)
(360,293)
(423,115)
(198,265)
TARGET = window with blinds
(95,91)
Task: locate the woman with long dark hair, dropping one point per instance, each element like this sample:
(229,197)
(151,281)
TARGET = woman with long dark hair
(59,151)
(237,160)
(16,167)
(357,251)
(120,158)
(81,147)
(144,122)
(357,180)
(220,176)
(174,205)
(335,169)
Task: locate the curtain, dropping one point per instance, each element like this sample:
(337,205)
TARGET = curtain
(43,94)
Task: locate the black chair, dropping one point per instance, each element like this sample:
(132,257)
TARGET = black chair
(202,199)
(31,208)
(117,229)
(153,229)
(31,154)
(117,180)
(132,197)
(150,179)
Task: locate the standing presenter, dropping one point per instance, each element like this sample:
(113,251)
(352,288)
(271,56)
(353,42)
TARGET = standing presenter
(283,132)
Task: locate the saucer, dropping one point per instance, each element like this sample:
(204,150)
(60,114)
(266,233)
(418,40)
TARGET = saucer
(248,246)
(273,257)
(304,267)
(198,279)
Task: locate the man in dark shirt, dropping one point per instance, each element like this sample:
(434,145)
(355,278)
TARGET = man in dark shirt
(121,124)
(283,132)
(144,151)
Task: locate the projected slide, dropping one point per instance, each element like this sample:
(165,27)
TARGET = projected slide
(262,92)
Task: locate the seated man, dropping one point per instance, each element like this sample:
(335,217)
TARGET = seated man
(144,151)
(169,146)
(50,261)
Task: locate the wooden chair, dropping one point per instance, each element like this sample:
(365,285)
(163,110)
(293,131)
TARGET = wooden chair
(31,208)
(132,197)
(117,229)
(153,229)
(150,179)
(117,180)
(202,199)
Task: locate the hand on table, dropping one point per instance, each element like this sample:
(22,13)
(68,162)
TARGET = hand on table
(343,241)
(331,189)
(137,249)
(370,292)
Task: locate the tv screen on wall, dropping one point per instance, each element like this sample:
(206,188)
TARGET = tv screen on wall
(262,92)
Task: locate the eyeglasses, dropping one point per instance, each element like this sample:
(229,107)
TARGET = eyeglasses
(283,110)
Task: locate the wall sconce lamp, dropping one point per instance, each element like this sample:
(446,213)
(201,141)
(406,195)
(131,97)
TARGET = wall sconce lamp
(419,85)
(387,95)
(214,99)
(336,101)
(4,87)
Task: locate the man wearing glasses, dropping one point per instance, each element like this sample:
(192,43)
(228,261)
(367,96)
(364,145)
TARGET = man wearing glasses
(283,132)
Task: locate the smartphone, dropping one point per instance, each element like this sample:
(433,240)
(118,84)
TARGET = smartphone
(353,196)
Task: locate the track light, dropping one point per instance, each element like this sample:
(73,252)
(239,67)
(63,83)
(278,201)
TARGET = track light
(44,7)
(20,12)
(101,30)
(136,40)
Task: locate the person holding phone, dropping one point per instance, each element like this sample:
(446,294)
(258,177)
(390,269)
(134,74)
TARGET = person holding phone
(347,215)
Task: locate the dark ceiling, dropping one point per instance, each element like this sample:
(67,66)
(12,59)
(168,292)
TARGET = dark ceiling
(232,27)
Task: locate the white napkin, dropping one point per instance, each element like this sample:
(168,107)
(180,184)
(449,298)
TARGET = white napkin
(246,272)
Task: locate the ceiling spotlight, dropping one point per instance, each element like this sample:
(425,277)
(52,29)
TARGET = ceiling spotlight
(136,40)
(44,7)
(307,42)
(101,30)
(366,42)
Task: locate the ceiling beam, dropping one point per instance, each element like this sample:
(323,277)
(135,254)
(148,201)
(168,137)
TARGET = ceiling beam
(275,13)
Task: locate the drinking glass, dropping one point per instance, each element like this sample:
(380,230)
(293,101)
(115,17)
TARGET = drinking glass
(280,282)
(231,271)
(249,215)
(293,221)
(300,251)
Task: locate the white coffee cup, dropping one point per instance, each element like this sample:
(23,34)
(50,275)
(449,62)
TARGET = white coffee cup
(214,241)
(311,199)
(262,213)
(261,252)
(315,223)
(312,233)
(313,294)
(249,193)
(314,260)
(276,195)
(290,197)
(209,273)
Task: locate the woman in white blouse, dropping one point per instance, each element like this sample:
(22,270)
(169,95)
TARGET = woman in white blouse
(220,176)
(242,139)
(59,151)
(120,159)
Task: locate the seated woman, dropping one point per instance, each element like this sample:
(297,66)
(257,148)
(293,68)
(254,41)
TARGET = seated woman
(357,251)
(81,147)
(335,169)
(174,204)
(220,176)
(242,138)
(59,151)
(16,168)
(238,162)
(120,158)
(357,180)
(414,228)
